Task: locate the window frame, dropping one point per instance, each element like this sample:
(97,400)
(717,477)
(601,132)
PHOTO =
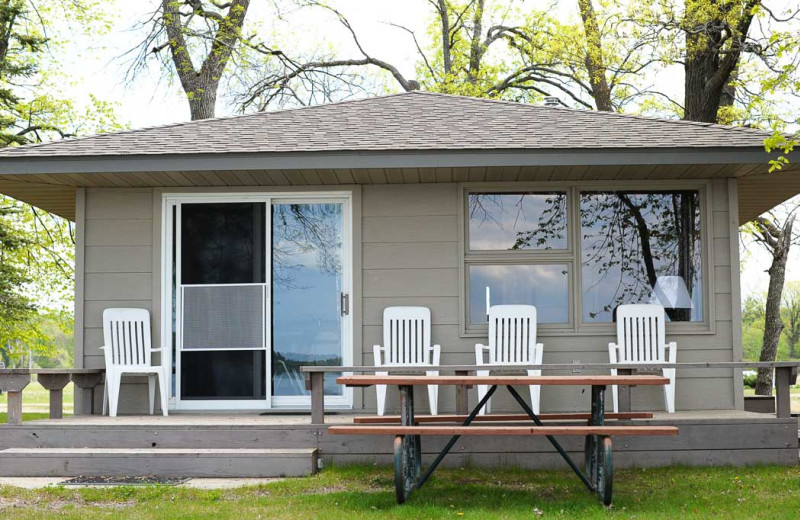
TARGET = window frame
(571,256)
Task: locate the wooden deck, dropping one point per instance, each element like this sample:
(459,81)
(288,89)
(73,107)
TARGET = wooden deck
(714,437)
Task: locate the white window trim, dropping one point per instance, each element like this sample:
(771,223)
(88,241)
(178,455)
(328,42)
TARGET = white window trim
(168,200)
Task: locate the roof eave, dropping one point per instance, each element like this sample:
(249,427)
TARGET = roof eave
(381,159)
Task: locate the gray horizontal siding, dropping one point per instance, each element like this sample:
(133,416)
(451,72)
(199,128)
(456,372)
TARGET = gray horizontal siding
(118,260)
(409,256)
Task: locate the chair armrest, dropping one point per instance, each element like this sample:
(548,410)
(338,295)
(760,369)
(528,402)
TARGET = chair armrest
(612,353)
(107,354)
(436,351)
(672,347)
(479,350)
(160,349)
(376,351)
(539,353)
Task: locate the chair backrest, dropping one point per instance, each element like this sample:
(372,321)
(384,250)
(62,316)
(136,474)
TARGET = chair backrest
(640,333)
(127,335)
(407,335)
(512,334)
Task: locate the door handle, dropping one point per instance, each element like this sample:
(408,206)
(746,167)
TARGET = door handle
(344,303)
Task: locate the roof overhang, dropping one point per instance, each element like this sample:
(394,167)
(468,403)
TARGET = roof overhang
(50,182)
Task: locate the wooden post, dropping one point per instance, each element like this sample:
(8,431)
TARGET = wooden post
(85,384)
(13,385)
(316,382)
(784,378)
(624,391)
(462,395)
(55,383)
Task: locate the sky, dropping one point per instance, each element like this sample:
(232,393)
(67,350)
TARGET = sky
(97,67)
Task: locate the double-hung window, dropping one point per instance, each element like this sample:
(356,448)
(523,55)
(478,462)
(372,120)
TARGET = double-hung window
(577,254)
(518,246)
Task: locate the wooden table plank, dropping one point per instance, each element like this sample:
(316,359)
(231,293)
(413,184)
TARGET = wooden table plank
(503,430)
(501,380)
(389,419)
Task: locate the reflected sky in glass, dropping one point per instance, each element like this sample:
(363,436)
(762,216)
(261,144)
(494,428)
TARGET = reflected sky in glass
(307,281)
(546,286)
(508,221)
(615,269)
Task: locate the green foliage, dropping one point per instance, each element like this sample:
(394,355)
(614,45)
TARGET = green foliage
(750,380)
(37,256)
(753,315)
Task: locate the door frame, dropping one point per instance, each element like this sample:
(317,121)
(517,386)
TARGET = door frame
(171,199)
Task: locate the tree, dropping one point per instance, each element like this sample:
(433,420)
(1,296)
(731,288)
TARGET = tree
(790,314)
(204,32)
(775,232)
(36,261)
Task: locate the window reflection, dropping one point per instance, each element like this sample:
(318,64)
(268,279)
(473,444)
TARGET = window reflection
(512,221)
(635,242)
(306,284)
(546,286)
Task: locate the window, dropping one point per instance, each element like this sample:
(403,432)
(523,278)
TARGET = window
(641,247)
(577,255)
(516,246)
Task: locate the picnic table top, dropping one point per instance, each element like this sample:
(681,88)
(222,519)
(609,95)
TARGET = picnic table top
(554,366)
(501,380)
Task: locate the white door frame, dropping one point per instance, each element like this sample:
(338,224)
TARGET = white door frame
(170,200)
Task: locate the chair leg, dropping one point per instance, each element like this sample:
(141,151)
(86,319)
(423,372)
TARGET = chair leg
(151,389)
(381,391)
(162,390)
(105,396)
(433,393)
(615,397)
(669,390)
(535,392)
(482,389)
(113,381)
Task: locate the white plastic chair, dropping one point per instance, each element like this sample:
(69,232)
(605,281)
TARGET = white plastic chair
(512,341)
(407,342)
(641,339)
(127,349)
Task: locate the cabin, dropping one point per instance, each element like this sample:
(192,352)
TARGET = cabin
(265,242)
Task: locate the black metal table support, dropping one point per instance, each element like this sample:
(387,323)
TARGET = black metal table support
(408,475)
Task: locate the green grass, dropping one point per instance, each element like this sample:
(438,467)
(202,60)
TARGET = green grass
(36,402)
(366,492)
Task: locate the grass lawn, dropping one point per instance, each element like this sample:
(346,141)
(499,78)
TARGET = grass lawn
(366,492)
(36,402)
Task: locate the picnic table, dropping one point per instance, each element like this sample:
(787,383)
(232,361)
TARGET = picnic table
(597,472)
(14,380)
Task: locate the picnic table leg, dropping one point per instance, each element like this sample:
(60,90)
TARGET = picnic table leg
(55,383)
(784,378)
(601,463)
(14,385)
(407,449)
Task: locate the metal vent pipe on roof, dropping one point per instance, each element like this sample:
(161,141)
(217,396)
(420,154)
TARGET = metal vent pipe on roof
(552,101)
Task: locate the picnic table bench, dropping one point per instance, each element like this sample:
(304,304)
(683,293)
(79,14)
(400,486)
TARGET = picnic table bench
(597,473)
(14,380)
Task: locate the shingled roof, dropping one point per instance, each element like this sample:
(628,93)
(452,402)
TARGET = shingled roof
(415,121)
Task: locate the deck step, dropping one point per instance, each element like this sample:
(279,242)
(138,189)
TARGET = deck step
(177,462)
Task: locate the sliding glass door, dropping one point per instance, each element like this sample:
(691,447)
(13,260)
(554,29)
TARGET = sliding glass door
(259,287)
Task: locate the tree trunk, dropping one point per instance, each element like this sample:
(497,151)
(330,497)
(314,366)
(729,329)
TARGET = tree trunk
(203,101)
(713,49)
(773,325)
(444,16)
(594,58)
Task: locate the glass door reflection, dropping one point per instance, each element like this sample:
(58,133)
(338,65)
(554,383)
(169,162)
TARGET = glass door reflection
(307,288)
